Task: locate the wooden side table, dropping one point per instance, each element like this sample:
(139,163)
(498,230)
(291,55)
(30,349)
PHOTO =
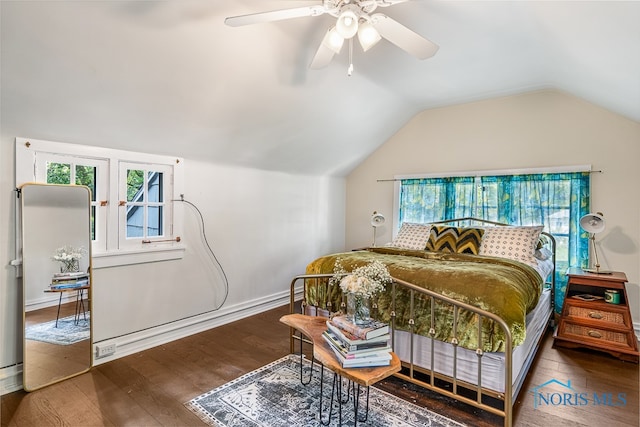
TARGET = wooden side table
(313,327)
(597,324)
(80,308)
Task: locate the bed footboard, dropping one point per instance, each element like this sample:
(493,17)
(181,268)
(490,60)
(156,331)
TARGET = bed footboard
(428,377)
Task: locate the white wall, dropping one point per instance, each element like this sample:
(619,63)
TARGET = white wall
(264,227)
(539,129)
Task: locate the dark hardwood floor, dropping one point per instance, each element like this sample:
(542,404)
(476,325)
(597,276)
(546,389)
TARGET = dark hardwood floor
(150,388)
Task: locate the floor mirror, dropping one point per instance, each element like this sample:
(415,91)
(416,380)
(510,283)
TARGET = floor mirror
(56,260)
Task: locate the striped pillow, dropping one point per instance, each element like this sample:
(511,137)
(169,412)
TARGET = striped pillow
(444,238)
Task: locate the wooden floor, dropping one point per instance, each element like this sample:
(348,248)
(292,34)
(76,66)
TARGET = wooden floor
(150,388)
(43,358)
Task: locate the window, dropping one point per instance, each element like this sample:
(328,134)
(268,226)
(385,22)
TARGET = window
(59,169)
(556,200)
(133,218)
(144,190)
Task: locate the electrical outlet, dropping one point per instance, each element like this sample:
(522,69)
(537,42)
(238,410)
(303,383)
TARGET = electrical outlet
(104,350)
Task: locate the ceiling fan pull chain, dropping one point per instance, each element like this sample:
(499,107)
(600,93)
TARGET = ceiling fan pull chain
(350,69)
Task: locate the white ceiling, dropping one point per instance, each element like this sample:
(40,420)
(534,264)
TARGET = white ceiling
(170,77)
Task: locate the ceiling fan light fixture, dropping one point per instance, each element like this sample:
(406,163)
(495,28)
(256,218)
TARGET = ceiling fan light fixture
(368,36)
(333,40)
(347,24)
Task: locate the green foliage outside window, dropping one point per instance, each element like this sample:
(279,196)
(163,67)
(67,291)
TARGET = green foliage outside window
(135,182)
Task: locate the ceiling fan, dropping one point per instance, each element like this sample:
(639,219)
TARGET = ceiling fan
(352,17)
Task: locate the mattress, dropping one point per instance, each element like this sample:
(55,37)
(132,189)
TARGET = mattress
(493,364)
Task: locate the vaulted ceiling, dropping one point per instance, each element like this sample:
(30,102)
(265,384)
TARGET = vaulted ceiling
(170,77)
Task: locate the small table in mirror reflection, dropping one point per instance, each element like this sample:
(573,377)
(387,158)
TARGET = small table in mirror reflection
(72,282)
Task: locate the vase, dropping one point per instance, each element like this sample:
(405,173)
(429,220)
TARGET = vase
(358,308)
(70,266)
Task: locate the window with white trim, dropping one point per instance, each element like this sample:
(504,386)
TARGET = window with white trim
(133,218)
(59,169)
(144,195)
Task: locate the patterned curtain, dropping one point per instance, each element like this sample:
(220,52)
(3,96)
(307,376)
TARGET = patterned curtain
(435,199)
(557,201)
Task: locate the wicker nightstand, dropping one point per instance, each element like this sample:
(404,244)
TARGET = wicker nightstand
(588,321)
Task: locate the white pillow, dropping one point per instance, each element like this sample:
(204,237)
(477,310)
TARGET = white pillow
(412,236)
(543,254)
(513,242)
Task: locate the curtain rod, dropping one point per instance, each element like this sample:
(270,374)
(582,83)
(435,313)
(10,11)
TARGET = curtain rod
(444,176)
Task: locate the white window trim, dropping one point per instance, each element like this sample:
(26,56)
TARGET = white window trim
(99,244)
(126,243)
(167,249)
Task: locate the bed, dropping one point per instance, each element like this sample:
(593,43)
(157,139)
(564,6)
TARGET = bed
(468,307)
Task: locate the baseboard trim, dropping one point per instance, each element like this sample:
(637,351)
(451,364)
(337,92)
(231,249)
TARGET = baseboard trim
(11,376)
(153,337)
(11,379)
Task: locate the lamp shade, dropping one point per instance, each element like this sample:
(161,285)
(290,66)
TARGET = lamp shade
(368,36)
(347,24)
(333,40)
(377,219)
(593,223)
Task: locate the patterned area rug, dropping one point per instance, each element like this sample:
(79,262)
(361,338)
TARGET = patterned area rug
(273,396)
(66,333)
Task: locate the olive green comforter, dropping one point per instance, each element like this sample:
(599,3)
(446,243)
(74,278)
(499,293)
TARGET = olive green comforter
(509,289)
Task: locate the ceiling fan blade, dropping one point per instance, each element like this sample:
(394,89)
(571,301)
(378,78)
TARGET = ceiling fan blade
(322,58)
(274,15)
(403,37)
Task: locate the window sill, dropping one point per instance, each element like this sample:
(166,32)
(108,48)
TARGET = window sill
(120,258)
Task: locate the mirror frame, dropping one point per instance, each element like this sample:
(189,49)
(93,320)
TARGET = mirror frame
(25,275)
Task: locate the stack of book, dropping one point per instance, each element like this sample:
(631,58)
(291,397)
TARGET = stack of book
(358,346)
(69,280)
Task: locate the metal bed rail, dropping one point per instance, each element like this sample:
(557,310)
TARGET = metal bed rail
(447,385)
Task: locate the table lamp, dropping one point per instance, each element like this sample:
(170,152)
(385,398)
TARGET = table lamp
(377,219)
(593,223)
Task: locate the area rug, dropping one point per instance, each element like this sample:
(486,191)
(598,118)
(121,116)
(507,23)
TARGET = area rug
(273,396)
(66,333)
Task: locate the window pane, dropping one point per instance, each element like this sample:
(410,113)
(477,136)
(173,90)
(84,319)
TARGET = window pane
(135,221)
(154,189)
(86,175)
(135,182)
(93,223)
(58,173)
(154,224)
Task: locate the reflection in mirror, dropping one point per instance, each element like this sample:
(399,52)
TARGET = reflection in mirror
(56,257)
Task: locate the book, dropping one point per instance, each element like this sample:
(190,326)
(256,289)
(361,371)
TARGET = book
(371,329)
(70,275)
(353,343)
(368,360)
(350,354)
(587,297)
(64,282)
(69,284)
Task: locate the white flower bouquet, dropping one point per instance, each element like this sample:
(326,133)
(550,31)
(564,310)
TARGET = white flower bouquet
(68,257)
(366,280)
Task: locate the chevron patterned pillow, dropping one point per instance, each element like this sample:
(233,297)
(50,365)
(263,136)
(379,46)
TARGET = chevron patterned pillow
(444,238)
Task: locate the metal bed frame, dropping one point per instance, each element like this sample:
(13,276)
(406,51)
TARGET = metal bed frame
(427,377)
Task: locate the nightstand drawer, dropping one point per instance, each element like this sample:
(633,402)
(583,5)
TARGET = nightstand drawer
(595,334)
(612,317)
